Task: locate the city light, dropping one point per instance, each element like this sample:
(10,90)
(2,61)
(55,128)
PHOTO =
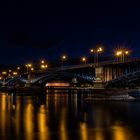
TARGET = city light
(44,66)
(84,59)
(118,53)
(96,52)
(42,61)
(32,69)
(28,65)
(18,68)
(15,73)
(126,52)
(122,54)
(64,57)
(99,49)
(4,72)
(91,50)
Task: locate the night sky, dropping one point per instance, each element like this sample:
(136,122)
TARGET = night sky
(39,29)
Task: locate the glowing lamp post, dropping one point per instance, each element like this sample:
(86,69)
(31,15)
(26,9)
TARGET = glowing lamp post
(43,65)
(15,73)
(63,58)
(84,59)
(92,52)
(28,75)
(122,54)
(99,50)
(28,66)
(32,69)
(96,52)
(42,61)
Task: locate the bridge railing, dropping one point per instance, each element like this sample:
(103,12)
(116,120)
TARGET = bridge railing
(102,63)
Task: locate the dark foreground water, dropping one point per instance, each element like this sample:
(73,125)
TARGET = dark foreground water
(64,117)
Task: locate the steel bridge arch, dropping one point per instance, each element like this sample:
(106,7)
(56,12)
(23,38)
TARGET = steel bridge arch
(62,76)
(14,81)
(130,79)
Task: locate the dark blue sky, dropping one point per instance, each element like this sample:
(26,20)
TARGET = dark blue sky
(35,29)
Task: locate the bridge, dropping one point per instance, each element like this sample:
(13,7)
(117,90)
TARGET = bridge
(98,75)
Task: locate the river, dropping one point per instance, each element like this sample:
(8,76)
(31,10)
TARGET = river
(55,116)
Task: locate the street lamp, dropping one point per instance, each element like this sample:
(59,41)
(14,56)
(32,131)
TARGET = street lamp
(4,74)
(63,58)
(32,69)
(43,65)
(118,53)
(28,75)
(96,52)
(42,61)
(15,73)
(18,68)
(28,66)
(99,50)
(92,50)
(84,59)
(122,54)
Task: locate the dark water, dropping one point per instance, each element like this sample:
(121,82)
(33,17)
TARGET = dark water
(64,117)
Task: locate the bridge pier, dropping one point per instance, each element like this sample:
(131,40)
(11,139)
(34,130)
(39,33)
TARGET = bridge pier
(105,74)
(111,73)
(99,81)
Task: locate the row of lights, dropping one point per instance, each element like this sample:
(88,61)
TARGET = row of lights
(118,53)
(44,66)
(29,67)
(96,52)
(9,73)
(84,59)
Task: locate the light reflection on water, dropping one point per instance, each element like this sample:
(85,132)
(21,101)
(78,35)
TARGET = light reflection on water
(66,117)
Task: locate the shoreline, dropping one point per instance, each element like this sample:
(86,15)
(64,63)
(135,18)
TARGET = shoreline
(89,93)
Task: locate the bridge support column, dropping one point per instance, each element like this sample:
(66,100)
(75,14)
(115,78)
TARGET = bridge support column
(99,75)
(109,73)
(28,80)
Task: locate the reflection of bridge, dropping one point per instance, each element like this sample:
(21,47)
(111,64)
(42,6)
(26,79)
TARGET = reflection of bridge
(108,73)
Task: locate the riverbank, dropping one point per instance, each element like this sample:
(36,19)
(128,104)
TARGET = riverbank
(89,93)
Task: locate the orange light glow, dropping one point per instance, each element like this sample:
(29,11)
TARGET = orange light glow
(84,59)
(91,50)
(58,84)
(64,57)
